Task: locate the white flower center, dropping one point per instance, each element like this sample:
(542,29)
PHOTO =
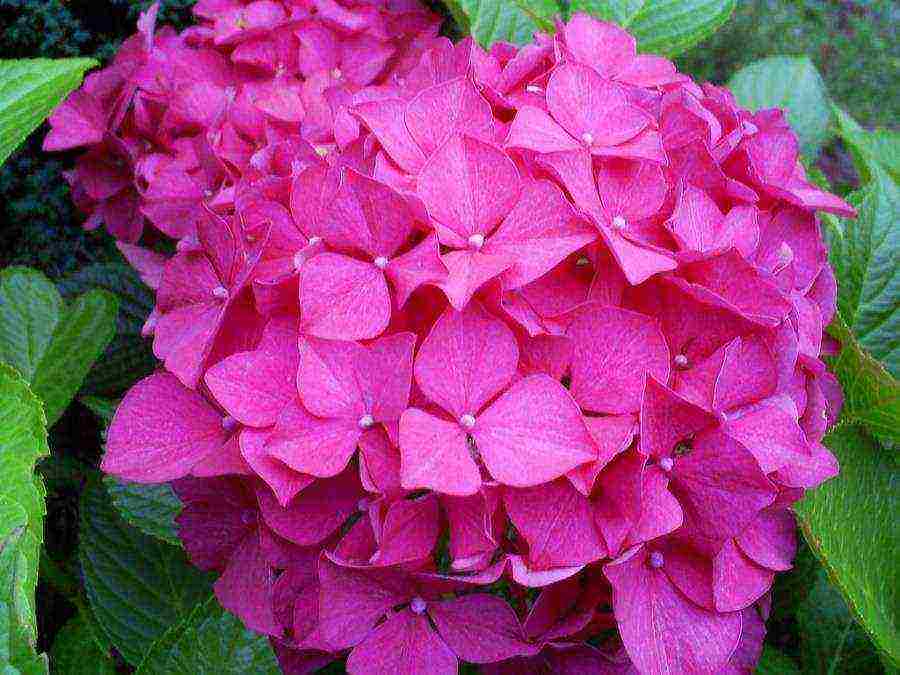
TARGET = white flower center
(418,605)
(220,292)
(656,560)
(381,262)
(467,421)
(681,361)
(476,241)
(366,421)
(533,89)
(749,128)
(666,464)
(619,223)
(337,74)
(588,138)
(229,423)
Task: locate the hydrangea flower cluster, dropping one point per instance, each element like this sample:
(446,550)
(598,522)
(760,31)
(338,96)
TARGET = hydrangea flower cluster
(506,357)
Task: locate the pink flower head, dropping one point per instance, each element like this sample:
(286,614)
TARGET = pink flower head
(445,325)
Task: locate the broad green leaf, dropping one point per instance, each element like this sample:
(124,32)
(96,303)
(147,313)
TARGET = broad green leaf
(830,639)
(850,523)
(864,254)
(23,440)
(30,307)
(489,21)
(210,641)
(129,356)
(150,508)
(880,146)
(791,83)
(137,586)
(29,91)
(773,662)
(76,652)
(666,27)
(80,337)
(51,344)
(871,394)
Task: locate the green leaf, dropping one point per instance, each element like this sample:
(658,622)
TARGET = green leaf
(830,639)
(210,641)
(78,341)
(666,27)
(489,21)
(129,356)
(29,311)
(864,254)
(773,662)
(29,91)
(23,440)
(880,146)
(103,408)
(76,652)
(871,395)
(52,345)
(150,508)
(137,586)
(850,523)
(792,83)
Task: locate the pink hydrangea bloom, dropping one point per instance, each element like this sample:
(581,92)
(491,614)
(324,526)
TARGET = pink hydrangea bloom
(465,355)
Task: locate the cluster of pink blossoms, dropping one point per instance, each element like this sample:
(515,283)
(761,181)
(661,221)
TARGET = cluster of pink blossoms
(509,357)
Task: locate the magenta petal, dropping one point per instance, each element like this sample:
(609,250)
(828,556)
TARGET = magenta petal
(160,430)
(450,107)
(284,481)
(313,445)
(533,129)
(633,190)
(720,485)
(738,582)
(533,433)
(379,463)
(366,215)
(772,435)
(637,262)
(342,298)
(467,271)
(617,507)
(654,617)
(246,587)
(667,418)
(557,521)
(409,532)
(468,186)
(661,512)
(539,233)
(771,539)
(434,454)
(356,599)
(420,265)
(611,435)
(254,387)
(385,120)
(316,512)
(480,628)
(328,378)
(605,47)
(697,222)
(466,360)
(77,122)
(748,374)
(471,519)
(406,644)
(184,337)
(613,350)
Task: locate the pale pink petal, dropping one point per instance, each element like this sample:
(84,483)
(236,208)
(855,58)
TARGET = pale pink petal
(342,298)
(533,433)
(613,350)
(434,454)
(160,430)
(466,360)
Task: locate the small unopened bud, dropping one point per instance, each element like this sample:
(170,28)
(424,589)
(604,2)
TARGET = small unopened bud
(337,74)
(299,259)
(666,464)
(314,240)
(418,605)
(588,138)
(467,421)
(534,89)
(208,193)
(366,421)
(476,241)
(229,423)
(321,150)
(220,292)
(362,505)
(749,128)
(380,262)
(582,261)
(619,223)
(656,560)
(681,361)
